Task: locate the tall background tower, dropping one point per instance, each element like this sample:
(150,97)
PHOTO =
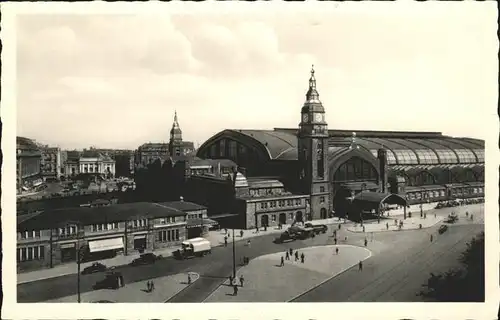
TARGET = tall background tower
(313,152)
(175,142)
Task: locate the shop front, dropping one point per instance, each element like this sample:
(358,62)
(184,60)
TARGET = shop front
(104,248)
(140,242)
(68,252)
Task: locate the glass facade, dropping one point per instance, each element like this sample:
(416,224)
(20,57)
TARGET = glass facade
(406,156)
(356,169)
(446,156)
(465,156)
(427,156)
(480,154)
(391,159)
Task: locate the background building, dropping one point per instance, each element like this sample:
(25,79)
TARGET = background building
(51,163)
(28,160)
(176,147)
(89,161)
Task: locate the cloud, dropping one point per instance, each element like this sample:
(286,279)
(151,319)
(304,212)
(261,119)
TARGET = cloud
(115,80)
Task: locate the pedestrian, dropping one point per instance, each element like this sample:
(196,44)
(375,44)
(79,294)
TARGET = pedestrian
(296,255)
(287,256)
(366,242)
(265,227)
(335,240)
(340,226)
(335,233)
(425,215)
(345,239)
(364,229)
(337,250)
(432,237)
(241,233)
(148,286)
(387,225)
(291,251)
(466,213)
(152,286)
(231,280)
(235,290)
(242,280)
(395,222)
(302,257)
(282,262)
(360,266)
(225,241)
(189,278)
(248,243)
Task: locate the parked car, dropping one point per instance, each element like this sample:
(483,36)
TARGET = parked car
(318,228)
(296,233)
(111,281)
(146,258)
(443,229)
(94,268)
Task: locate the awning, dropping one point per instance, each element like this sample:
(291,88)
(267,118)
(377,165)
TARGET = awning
(140,236)
(105,244)
(67,245)
(377,198)
(197,223)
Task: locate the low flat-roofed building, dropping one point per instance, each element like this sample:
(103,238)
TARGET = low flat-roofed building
(56,236)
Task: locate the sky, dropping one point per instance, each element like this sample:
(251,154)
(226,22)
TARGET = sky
(114,81)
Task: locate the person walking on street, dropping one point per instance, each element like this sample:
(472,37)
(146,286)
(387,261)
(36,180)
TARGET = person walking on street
(466,213)
(291,252)
(242,280)
(340,226)
(231,280)
(432,237)
(148,286)
(296,256)
(387,225)
(152,286)
(282,262)
(302,257)
(363,228)
(287,256)
(189,278)
(345,238)
(335,240)
(225,241)
(235,290)
(337,250)
(241,233)
(360,265)
(366,242)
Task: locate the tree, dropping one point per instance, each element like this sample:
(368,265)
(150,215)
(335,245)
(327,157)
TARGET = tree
(466,284)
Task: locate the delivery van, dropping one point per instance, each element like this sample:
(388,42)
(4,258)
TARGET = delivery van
(197,247)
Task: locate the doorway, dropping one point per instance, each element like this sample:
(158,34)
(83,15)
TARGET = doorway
(282,218)
(299,217)
(264,220)
(323,213)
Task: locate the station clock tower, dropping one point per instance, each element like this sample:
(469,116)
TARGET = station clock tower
(313,153)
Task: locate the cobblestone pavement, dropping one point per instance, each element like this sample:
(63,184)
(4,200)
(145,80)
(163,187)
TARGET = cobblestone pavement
(165,288)
(266,281)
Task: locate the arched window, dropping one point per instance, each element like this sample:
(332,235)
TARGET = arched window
(356,169)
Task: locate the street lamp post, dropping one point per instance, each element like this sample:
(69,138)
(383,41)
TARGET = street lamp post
(234,258)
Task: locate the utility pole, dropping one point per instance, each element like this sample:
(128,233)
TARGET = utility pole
(234,259)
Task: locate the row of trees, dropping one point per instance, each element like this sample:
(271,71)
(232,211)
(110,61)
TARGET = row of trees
(466,284)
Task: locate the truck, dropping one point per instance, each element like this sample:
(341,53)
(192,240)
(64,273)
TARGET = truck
(296,233)
(196,247)
(318,228)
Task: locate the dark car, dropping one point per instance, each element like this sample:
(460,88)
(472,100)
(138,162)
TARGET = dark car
(318,228)
(111,281)
(94,268)
(146,258)
(443,229)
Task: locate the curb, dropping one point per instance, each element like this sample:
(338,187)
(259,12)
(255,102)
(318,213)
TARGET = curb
(330,278)
(189,285)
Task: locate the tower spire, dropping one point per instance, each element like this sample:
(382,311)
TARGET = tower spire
(312,95)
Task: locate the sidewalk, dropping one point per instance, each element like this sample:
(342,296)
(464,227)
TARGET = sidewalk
(165,288)
(266,281)
(216,238)
(408,224)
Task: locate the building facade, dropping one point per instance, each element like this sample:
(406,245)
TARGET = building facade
(51,164)
(92,162)
(333,166)
(176,147)
(50,238)
(28,164)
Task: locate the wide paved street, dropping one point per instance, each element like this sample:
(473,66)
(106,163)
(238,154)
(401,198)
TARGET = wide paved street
(400,264)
